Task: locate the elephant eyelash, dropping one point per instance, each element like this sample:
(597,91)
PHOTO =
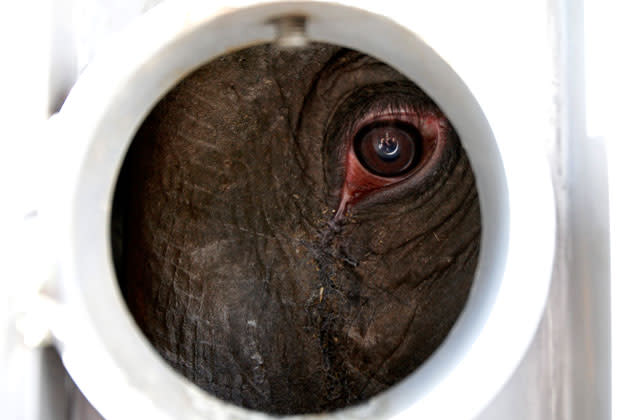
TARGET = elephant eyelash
(387,108)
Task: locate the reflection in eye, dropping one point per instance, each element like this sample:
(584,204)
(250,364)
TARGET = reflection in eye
(388,148)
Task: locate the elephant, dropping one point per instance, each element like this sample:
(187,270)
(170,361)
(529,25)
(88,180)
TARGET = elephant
(295,230)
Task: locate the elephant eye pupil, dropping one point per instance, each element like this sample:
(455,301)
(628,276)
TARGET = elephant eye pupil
(388,149)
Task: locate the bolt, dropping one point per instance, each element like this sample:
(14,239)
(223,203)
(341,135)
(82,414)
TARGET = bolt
(290,31)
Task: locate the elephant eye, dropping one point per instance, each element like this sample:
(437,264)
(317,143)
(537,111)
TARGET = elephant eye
(388,148)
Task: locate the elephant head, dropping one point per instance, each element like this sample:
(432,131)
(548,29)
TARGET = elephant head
(296,230)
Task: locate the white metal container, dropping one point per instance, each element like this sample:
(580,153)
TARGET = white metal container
(501,106)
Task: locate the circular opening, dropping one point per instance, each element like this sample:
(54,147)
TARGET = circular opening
(112,361)
(263,260)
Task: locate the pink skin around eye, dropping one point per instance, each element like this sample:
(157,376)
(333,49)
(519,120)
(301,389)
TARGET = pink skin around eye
(359,182)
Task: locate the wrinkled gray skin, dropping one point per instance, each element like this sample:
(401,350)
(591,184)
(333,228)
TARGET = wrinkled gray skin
(228,255)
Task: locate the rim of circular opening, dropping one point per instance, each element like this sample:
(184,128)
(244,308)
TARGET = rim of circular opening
(104,351)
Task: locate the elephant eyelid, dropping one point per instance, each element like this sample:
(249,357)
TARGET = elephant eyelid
(359,181)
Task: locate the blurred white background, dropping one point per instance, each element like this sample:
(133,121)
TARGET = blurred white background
(32,38)
(607,65)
